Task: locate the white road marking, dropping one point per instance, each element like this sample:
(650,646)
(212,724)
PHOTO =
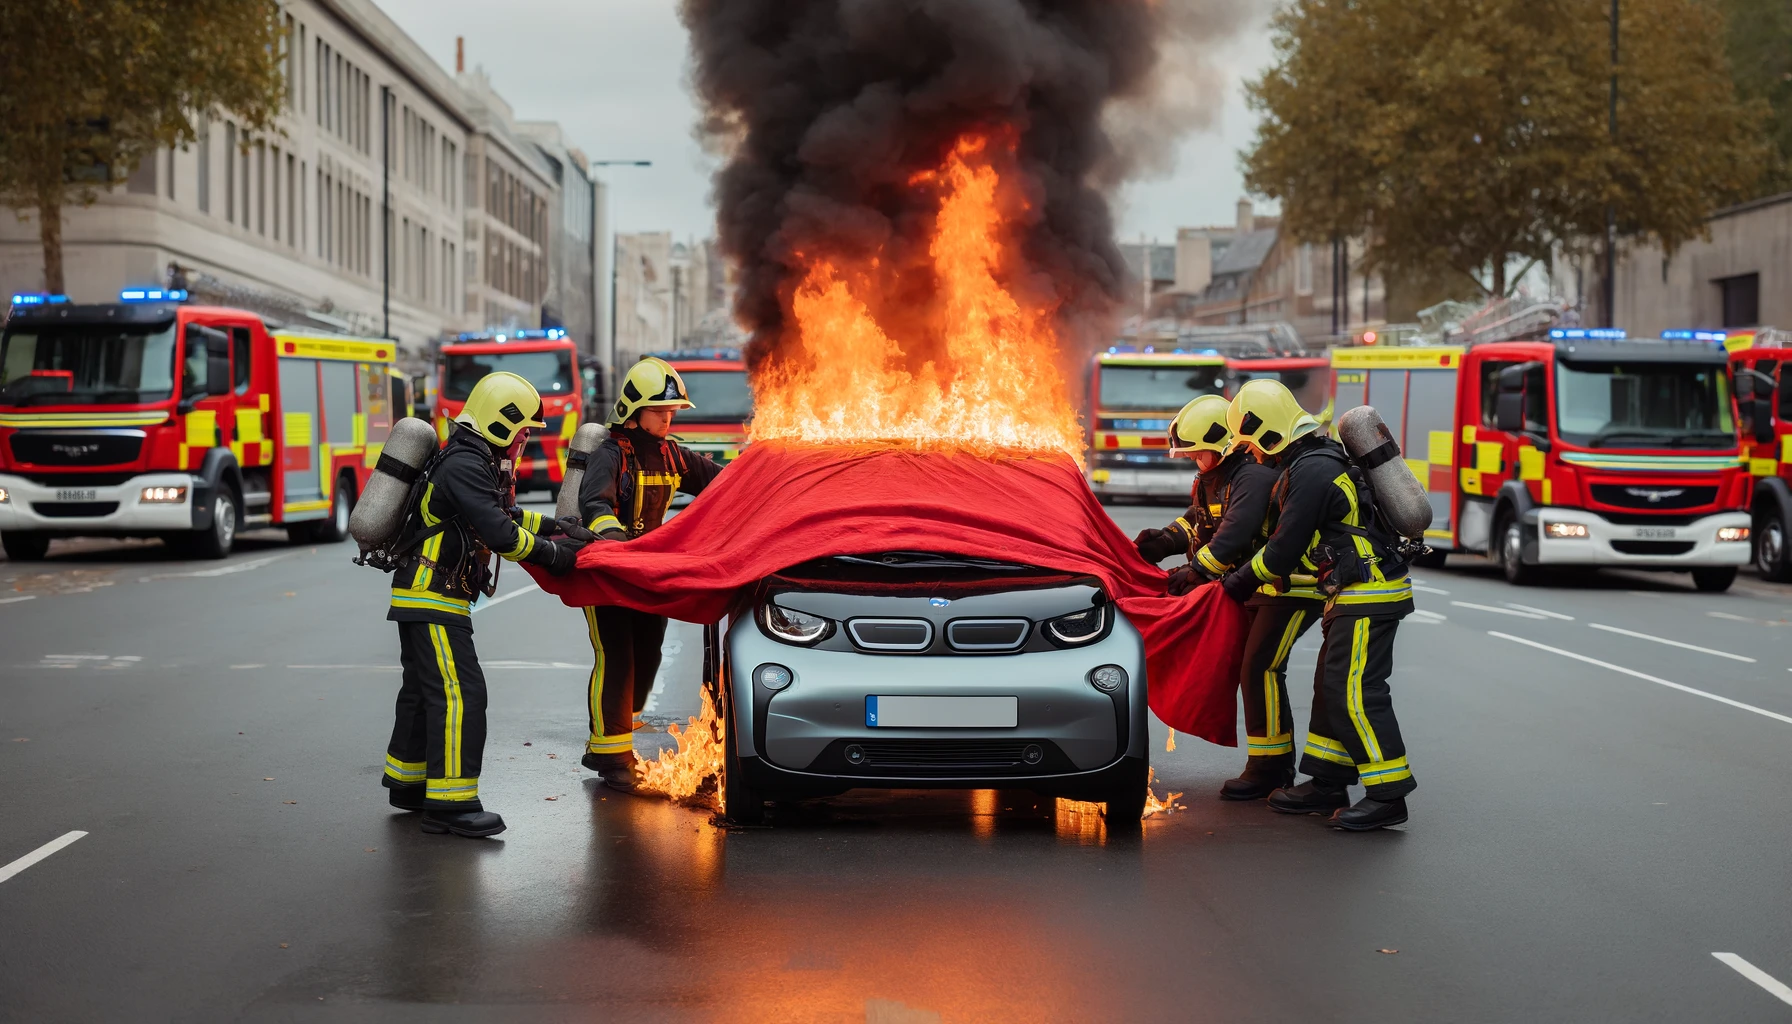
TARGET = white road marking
(1671,643)
(1644,675)
(16,600)
(1433,616)
(1546,613)
(77,657)
(669,651)
(1421,588)
(1732,618)
(228,570)
(350,668)
(44,851)
(500,599)
(257,665)
(1779,989)
(1498,611)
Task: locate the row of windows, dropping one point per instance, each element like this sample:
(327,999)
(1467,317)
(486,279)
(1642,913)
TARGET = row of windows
(429,160)
(513,270)
(344,99)
(515,204)
(429,265)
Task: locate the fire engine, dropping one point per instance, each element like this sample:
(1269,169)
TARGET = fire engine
(545,358)
(717,381)
(1308,376)
(153,418)
(1566,446)
(1763,383)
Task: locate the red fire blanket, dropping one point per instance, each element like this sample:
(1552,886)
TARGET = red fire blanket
(780,505)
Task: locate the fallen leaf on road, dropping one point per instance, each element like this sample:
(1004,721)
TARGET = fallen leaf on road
(550,798)
(290,593)
(289,801)
(526,743)
(370,849)
(267,780)
(283,945)
(553,757)
(21,739)
(1387,951)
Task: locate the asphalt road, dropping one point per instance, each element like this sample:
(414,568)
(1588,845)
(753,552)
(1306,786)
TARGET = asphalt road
(1602,807)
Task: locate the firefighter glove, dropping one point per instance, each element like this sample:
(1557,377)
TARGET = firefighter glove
(566,555)
(1185,578)
(1239,585)
(1156,545)
(571,527)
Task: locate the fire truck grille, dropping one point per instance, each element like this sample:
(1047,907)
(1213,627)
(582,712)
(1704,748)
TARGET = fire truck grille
(1652,547)
(84,448)
(1653,496)
(74,509)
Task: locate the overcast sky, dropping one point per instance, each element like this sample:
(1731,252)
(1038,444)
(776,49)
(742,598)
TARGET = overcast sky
(612,72)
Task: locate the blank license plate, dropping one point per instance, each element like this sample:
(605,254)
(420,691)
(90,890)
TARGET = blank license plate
(942,712)
(1655,533)
(77,495)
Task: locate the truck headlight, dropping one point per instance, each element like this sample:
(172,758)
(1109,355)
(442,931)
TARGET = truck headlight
(5,498)
(1732,533)
(164,495)
(1565,531)
(794,627)
(1078,628)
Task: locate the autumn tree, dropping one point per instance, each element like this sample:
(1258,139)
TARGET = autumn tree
(90,88)
(1472,134)
(1761,60)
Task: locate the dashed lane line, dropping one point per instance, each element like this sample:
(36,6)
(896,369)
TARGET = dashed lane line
(1671,643)
(1778,988)
(1776,716)
(1545,612)
(1497,610)
(39,854)
(1421,588)
(227,570)
(16,600)
(519,592)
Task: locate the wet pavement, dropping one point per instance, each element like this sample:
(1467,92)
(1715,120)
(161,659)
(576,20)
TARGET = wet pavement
(1599,812)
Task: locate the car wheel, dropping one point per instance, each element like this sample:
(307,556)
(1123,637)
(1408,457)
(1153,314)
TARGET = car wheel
(1771,556)
(741,803)
(1714,579)
(1511,555)
(22,546)
(335,529)
(1126,795)
(216,541)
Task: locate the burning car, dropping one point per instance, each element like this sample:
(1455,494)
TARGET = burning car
(919,671)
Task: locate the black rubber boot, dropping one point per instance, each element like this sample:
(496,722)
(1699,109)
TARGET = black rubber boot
(603,764)
(1370,814)
(408,798)
(1313,796)
(1256,783)
(472,824)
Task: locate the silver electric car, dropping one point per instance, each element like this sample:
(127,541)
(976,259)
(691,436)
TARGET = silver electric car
(910,671)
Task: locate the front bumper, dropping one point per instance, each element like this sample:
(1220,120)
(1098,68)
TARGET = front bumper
(1142,483)
(117,510)
(796,738)
(1691,546)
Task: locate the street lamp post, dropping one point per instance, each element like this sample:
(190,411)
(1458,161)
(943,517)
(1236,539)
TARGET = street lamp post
(1611,210)
(611,369)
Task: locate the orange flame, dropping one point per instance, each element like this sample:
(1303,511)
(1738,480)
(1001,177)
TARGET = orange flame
(689,774)
(971,363)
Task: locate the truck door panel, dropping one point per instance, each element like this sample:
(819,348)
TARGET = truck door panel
(206,354)
(1425,439)
(1352,390)
(300,434)
(341,417)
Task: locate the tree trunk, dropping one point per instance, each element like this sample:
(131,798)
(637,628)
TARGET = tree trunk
(1499,276)
(49,232)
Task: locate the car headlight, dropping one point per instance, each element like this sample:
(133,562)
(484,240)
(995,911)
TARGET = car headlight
(1078,627)
(1107,678)
(794,627)
(1565,531)
(1733,533)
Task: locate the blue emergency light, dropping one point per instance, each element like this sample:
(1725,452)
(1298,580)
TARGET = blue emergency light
(153,295)
(551,334)
(37,299)
(1588,334)
(1685,335)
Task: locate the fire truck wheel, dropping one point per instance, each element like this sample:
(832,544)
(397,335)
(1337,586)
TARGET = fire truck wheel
(25,547)
(1714,579)
(218,540)
(335,529)
(1773,559)
(1511,554)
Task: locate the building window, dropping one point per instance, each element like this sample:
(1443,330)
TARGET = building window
(230,172)
(261,188)
(1741,299)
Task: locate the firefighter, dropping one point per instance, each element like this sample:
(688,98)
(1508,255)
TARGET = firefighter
(458,519)
(1325,526)
(1227,523)
(628,486)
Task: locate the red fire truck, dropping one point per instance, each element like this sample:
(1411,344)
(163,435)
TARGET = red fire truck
(717,381)
(1759,360)
(1309,377)
(153,418)
(545,358)
(1136,393)
(1567,447)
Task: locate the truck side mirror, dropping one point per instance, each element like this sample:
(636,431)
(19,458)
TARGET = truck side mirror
(1761,417)
(217,363)
(1509,413)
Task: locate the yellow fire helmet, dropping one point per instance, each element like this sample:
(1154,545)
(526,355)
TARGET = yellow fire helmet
(1265,415)
(1200,427)
(500,405)
(651,384)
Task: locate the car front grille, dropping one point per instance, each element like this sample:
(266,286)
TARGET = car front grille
(891,635)
(86,448)
(79,479)
(987,635)
(941,759)
(1652,547)
(74,509)
(1653,496)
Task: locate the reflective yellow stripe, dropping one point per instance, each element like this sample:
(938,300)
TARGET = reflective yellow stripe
(1328,750)
(429,601)
(454,790)
(1364,549)
(1260,570)
(1271,686)
(452,720)
(532,521)
(1187,530)
(659,479)
(1353,688)
(1376,593)
(405,771)
(1212,564)
(1264,745)
(432,548)
(602,523)
(1378,773)
(525,543)
(594,690)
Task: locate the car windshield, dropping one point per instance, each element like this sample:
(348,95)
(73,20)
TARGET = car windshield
(1311,387)
(720,396)
(1157,388)
(73,364)
(550,371)
(1644,405)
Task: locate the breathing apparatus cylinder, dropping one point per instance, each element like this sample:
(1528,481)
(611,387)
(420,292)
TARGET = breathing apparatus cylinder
(380,511)
(586,441)
(1398,494)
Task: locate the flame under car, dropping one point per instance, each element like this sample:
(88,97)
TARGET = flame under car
(923,671)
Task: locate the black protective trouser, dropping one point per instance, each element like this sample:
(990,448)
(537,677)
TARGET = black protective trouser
(1353,735)
(438,729)
(1263,679)
(625,658)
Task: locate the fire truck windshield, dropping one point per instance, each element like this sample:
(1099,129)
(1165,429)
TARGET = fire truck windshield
(720,396)
(1643,405)
(87,365)
(1310,387)
(1157,388)
(549,371)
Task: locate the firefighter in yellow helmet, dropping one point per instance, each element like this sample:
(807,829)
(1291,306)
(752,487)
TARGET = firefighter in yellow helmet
(1325,525)
(457,518)
(628,486)
(1225,526)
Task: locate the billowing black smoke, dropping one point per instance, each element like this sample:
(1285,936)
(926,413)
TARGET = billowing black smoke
(825,110)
